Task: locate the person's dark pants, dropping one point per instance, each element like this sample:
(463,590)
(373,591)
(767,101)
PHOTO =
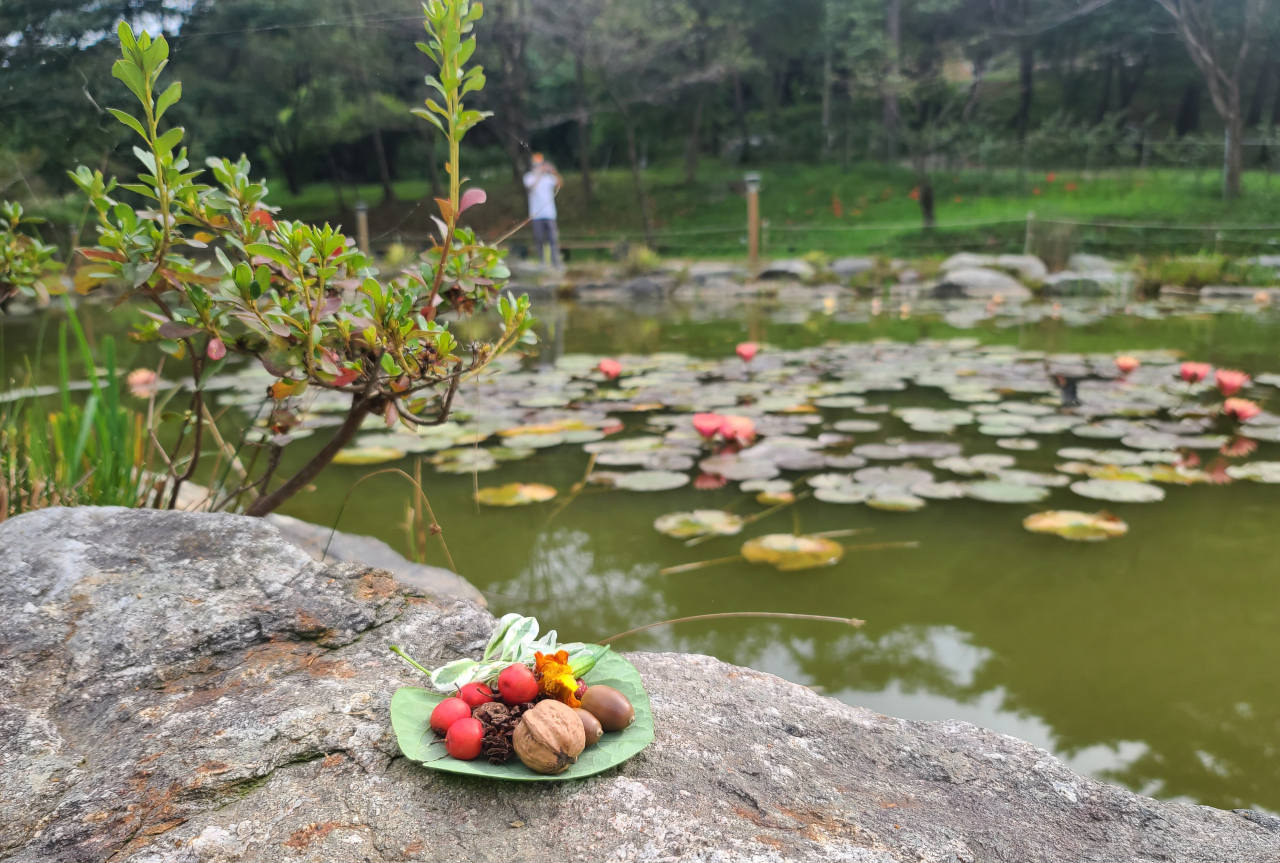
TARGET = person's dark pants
(546,234)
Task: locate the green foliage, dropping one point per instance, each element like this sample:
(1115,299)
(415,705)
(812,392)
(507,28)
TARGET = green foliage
(25,262)
(300,298)
(640,260)
(88,453)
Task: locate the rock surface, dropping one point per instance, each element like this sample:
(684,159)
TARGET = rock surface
(335,546)
(976,283)
(181,687)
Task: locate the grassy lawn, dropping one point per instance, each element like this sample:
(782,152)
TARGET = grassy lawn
(867,209)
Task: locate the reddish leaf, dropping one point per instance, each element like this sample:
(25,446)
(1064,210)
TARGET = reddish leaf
(470,198)
(446,209)
(98,255)
(177,330)
(263,218)
(345,376)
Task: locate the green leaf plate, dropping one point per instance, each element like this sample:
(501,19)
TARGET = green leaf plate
(411,711)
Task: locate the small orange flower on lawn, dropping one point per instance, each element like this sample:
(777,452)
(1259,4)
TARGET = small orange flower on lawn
(555,677)
(915,194)
(1050,177)
(1070,187)
(959,200)
(1036,190)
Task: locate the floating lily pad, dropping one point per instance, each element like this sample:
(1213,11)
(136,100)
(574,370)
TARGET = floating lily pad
(895,501)
(846,493)
(901,477)
(1118,491)
(1022,444)
(1005,492)
(1078,526)
(650,480)
(507,453)
(535,441)
(1258,471)
(789,553)
(515,494)
(975,465)
(857,426)
(368,455)
(840,402)
(1031,477)
(939,490)
(737,469)
(700,522)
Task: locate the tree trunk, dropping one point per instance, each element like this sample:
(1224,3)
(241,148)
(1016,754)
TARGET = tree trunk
(429,139)
(1105,105)
(634,157)
(826,102)
(927,216)
(1233,155)
(891,112)
(693,144)
(584,132)
(268,502)
(1026,69)
(740,114)
(384,167)
(337,180)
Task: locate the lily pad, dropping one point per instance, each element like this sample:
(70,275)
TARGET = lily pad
(1077,526)
(1118,491)
(1005,492)
(1258,471)
(1022,444)
(857,426)
(515,494)
(891,500)
(788,553)
(650,480)
(411,709)
(535,441)
(700,522)
(367,455)
(895,476)
(845,493)
(939,490)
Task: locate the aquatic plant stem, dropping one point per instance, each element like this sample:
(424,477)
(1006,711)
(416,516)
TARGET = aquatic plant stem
(576,488)
(848,621)
(689,567)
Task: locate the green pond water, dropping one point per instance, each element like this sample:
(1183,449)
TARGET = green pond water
(1152,660)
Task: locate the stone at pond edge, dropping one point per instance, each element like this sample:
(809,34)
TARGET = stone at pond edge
(237,709)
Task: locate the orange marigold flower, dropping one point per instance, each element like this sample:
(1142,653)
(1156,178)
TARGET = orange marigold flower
(555,677)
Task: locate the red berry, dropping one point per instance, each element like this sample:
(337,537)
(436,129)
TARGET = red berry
(516,684)
(476,694)
(464,739)
(448,712)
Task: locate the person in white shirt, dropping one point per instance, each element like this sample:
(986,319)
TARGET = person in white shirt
(542,182)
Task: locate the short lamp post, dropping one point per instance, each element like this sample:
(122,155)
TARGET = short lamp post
(362,226)
(752,180)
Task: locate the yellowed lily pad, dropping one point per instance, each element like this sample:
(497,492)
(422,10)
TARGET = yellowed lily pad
(788,553)
(515,494)
(367,455)
(1077,526)
(700,522)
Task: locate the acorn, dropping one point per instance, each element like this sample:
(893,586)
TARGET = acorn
(590,725)
(609,706)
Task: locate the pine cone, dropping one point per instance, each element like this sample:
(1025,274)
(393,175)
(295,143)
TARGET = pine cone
(499,723)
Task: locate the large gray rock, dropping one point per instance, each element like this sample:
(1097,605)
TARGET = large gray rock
(980,284)
(848,267)
(179,687)
(788,268)
(1028,267)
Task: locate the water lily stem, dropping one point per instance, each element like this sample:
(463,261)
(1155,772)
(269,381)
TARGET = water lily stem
(848,621)
(576,489)
(398,651)
(689,567)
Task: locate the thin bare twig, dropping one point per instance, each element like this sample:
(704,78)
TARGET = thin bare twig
(848,621)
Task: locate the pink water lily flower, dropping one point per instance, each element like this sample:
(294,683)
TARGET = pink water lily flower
(741,429)
(1127,364)
(707,424)
(747,350)
(143,383)
(1194,373)
(610,369)
(1241,410)
(1229,381)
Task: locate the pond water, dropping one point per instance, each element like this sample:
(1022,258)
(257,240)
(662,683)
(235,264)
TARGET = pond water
(1151,660)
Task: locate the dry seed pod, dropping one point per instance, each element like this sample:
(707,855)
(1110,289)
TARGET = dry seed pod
(549,737)
(591,725)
